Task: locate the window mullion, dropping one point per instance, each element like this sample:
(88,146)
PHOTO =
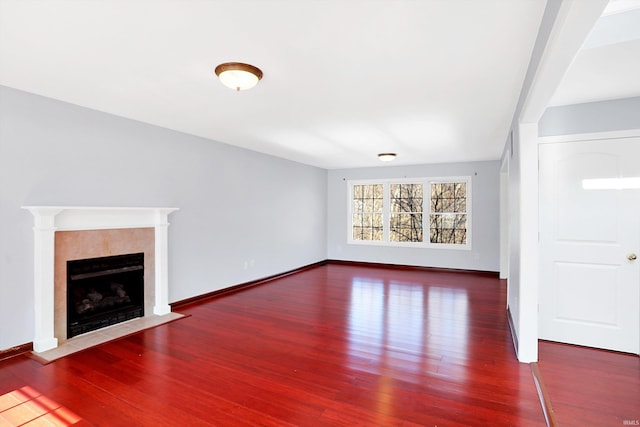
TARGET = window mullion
(386,211)
(426,213)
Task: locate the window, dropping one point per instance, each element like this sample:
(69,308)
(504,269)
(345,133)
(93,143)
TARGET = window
(399,212)
(448,217)
(367,212)
(406,213)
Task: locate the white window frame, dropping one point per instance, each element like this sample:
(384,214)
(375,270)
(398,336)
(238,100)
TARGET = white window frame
(426,212)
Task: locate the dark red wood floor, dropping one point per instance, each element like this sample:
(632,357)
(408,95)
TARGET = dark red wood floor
(591,387)
(336,345)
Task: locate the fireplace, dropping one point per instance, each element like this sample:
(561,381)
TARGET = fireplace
(53,222)
(104,291)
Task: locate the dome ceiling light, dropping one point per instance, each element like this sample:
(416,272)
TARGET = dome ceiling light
(238,76)
(387,157)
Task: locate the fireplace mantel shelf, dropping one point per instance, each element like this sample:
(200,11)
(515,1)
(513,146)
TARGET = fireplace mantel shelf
(65,218)
(49,219)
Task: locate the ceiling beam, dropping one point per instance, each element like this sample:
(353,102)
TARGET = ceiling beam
(574,21)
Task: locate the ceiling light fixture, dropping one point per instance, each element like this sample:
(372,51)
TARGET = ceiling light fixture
(238,76)
(387,157)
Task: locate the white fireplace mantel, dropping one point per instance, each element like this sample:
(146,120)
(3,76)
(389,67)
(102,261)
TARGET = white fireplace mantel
(49,219)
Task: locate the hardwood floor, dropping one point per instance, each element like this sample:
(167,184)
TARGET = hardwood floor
(335,345)
(591,387)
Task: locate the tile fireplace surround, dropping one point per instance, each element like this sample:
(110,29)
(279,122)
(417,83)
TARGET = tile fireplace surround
(49,219)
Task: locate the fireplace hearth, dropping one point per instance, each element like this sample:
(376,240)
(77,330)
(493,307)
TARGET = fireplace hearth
(104,291)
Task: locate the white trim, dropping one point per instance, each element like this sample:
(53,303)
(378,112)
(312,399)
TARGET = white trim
(529,250)
(418,179)
(49,219)
(596,136)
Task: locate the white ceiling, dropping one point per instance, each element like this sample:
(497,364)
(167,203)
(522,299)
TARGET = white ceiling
(608,65)
(433,80)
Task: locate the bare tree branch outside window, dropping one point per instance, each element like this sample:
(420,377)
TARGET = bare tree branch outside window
(399,212)
(367,212)
(406,213)
(448,218)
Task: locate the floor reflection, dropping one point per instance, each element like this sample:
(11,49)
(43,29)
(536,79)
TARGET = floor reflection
(386,328)
(448,321)
(366,318)
(396,329)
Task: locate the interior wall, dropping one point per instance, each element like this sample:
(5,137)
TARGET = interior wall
(520,151)
(522,229)
(484,255)
(512,219)
(591,117)
(243,215)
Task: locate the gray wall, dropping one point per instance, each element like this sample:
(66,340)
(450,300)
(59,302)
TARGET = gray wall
(484,254)
(591,117)
(236,205)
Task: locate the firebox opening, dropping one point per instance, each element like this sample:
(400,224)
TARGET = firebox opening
(104,291)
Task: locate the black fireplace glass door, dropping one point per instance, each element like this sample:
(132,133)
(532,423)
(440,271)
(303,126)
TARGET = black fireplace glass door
(104,291)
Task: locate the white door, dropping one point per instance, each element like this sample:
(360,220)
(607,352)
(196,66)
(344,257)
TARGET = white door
(589,237)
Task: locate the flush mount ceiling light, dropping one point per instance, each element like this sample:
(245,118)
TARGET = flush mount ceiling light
(387,157)
(238,76)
